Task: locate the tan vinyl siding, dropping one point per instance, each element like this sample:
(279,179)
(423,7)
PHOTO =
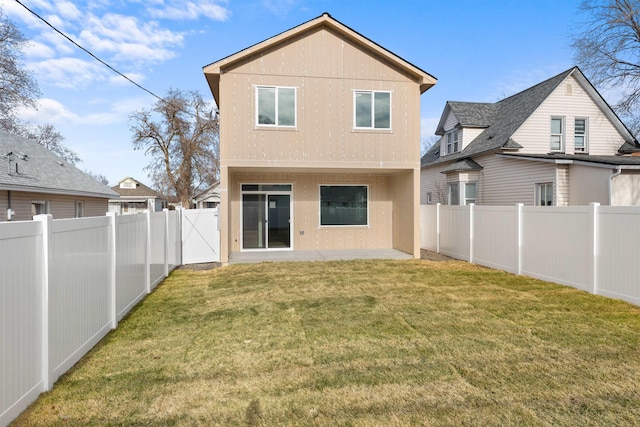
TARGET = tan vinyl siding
(307,233)
(325,83)
(405,215)
(562,185)
(468,135)
(588,184)
(434,182)
(534,134)
(61,206)
(506,181)
(626,189)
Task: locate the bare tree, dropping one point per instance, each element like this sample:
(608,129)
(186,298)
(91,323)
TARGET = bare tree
(427,143)
(608,51)
(181,134)
(17,86)
(50,138)
(98,177)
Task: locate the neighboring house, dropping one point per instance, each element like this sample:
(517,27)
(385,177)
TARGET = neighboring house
(557,143)
(34,181)
(208,198)
(135,197)
(319,143)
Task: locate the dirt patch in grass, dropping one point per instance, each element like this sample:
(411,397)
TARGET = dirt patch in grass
(434,256)
(365,342)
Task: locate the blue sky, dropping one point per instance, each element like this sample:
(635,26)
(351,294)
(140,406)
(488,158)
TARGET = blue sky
(479,51)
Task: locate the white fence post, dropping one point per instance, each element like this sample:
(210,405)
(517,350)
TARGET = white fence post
(147,257)
(595,250)
(471,233)
(46,240)
(166,242)
(113,309)
(438,228)
(519,238)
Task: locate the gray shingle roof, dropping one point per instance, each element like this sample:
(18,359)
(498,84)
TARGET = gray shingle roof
(501,119)
(470,114)
(42,171)
(141,190)
(606,160)
(463,165)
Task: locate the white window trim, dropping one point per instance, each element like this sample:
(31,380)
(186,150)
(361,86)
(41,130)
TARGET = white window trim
(46,203)
(464,193)
(538,185)
(454,147)
(373,113)
(563,133)
(342,185)
(79,209)
(586,135)
(449,186)
(268,193)
(276,125)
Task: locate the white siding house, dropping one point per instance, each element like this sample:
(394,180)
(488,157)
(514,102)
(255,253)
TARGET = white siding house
(556,143)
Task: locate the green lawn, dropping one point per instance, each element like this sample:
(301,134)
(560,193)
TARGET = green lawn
(368,343)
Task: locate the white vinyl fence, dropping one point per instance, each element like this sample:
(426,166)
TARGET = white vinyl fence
(594,248)
(64,284)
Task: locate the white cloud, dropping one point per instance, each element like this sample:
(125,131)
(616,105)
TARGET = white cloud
(118,80)
(38,50)
(49,111)
(279,7)
(68,10)
(129,40)
(178,10)
(69,72)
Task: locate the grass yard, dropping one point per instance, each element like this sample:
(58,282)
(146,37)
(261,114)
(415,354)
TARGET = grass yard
(364,343)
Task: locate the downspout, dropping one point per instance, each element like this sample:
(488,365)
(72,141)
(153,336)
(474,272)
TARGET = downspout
(9,212)
(616,173)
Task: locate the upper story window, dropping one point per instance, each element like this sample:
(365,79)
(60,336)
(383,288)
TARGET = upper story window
(557,134)
(453,141)
(276,106)
(580,136)
(372,110)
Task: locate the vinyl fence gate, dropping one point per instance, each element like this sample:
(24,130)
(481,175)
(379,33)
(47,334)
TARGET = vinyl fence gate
(200,236)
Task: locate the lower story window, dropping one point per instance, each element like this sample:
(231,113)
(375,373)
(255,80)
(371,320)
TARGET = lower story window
(79,209)
(344,205)
(454,193)
(544,194)
(462,193)
(470,191)
(40,207)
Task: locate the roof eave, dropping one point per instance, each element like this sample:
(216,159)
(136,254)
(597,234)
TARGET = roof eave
(214,70)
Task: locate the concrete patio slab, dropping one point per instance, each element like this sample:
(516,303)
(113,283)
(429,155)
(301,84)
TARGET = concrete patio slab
(317,255)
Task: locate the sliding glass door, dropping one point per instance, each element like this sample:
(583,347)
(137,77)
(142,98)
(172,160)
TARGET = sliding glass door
(266,217)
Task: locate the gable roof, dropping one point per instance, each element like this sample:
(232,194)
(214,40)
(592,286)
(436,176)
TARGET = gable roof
(141,190)
(503,118)
(41,171)
(214,70)
(469,114)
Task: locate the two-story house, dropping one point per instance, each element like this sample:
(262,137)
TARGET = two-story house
(557,143)
(319,143)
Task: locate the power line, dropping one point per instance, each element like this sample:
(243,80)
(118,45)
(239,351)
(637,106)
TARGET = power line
(91,54)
